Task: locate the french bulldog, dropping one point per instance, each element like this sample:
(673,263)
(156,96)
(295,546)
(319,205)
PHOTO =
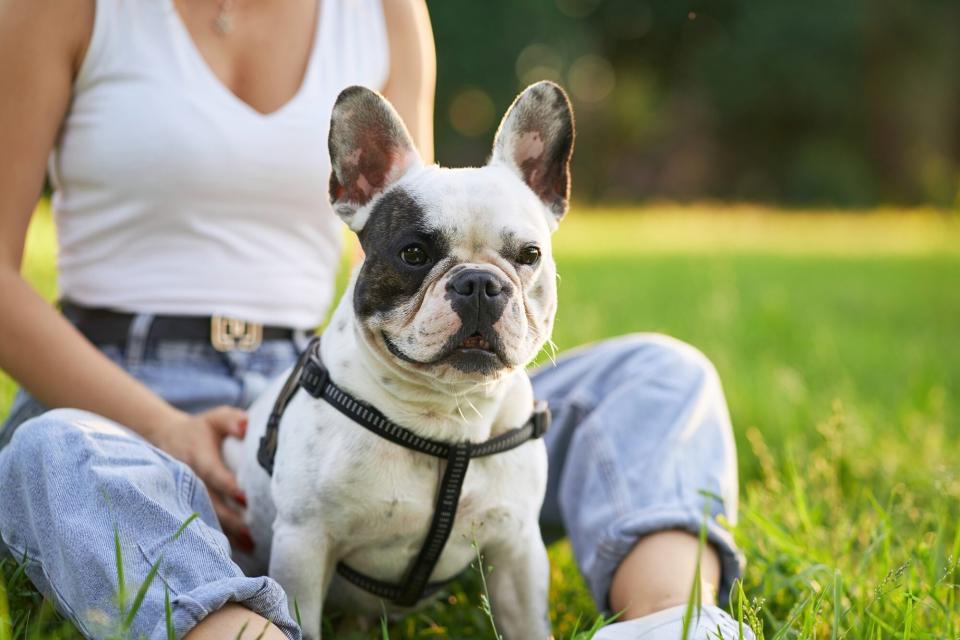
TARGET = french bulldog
(456,294)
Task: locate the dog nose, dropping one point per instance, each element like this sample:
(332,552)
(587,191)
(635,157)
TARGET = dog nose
(475,283)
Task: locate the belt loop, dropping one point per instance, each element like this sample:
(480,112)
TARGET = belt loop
(137,337)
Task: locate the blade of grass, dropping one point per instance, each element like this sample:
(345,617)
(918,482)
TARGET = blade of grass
(127,619)
(598,624)
(141,594)
(186,523)
(695,599)
(46,611)
(908,620)
(788,625)
(741,596)
(5,630)
(837,603)
(121,581)
(243,629)
(263,631)
(168,614)
(384,628)
(485,595)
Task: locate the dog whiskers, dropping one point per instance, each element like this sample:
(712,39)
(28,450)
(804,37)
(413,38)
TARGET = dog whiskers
(460,411)
(475,410)
(552,351)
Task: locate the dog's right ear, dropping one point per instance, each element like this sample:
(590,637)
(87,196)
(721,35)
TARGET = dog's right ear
(370,149)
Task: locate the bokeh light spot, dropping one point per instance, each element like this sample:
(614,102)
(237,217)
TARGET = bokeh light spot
(471,112)
(592,78)
(538,62)
(577,8)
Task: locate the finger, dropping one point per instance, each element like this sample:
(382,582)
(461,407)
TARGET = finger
(216,475)
(230,521)
(227,421)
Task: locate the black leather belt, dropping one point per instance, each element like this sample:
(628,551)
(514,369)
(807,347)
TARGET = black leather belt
(108,327)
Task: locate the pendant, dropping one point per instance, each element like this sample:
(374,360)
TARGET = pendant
(223,24)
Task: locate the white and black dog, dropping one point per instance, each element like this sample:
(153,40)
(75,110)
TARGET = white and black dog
(455,295)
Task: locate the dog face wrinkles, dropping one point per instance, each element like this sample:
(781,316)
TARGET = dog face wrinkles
(458,281)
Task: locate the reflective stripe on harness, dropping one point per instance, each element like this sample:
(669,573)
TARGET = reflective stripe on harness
(310,374)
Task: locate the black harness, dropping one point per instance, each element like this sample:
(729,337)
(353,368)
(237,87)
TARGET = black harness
(310,374)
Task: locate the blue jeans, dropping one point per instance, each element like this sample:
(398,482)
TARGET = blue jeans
(640,430)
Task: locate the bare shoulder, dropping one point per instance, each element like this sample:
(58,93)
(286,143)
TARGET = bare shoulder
(402,5)
(411,39)
(412,79)
(404,15)
(42,43)
(51,29)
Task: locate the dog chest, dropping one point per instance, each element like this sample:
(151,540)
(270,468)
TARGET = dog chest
(390,495)
(384,537)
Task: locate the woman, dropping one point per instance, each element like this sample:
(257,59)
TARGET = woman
(189,167)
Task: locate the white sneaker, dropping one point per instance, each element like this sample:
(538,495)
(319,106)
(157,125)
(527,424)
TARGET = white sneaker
(713,624)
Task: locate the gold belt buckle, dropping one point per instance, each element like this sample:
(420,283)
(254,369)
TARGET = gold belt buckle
(227,334)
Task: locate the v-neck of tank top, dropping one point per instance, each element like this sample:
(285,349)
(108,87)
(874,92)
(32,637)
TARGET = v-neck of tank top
(182,33)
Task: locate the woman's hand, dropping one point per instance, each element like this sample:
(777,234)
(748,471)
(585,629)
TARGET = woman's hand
(197,440)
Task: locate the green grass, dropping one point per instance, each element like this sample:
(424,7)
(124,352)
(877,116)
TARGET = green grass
(837,337)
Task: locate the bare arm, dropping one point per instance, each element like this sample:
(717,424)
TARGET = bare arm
(413,69)
(41,46)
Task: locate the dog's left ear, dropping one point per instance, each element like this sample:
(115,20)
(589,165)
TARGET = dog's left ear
(370,149)
(535,139)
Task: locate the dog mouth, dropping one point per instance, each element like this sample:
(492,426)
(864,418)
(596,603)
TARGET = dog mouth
(476,342)
(475,351)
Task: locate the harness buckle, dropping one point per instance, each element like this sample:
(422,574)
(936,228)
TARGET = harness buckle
(266,453)
(540,418)
(267,450)
(314,377)
(227,334)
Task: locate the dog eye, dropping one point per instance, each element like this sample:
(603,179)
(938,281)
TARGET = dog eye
(414,255)
(529,255)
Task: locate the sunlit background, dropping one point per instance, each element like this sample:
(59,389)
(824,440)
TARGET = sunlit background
(846,103)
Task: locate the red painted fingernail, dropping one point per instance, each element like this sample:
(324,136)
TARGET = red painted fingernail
(241,498)
(245,541)
(242,427)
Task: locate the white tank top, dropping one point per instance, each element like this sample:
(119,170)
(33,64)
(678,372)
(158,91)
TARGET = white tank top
(173,196)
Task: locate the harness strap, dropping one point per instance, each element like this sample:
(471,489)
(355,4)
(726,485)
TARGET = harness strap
(316,381)
(448,497)
(312,375)
(386,590)
(267,452)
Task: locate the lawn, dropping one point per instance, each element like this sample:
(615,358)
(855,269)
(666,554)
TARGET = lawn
(837,337)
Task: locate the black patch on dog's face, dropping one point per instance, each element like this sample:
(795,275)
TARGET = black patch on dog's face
(385,281)
(509,245)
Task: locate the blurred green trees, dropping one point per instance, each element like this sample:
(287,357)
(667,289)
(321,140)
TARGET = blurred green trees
(834,102)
